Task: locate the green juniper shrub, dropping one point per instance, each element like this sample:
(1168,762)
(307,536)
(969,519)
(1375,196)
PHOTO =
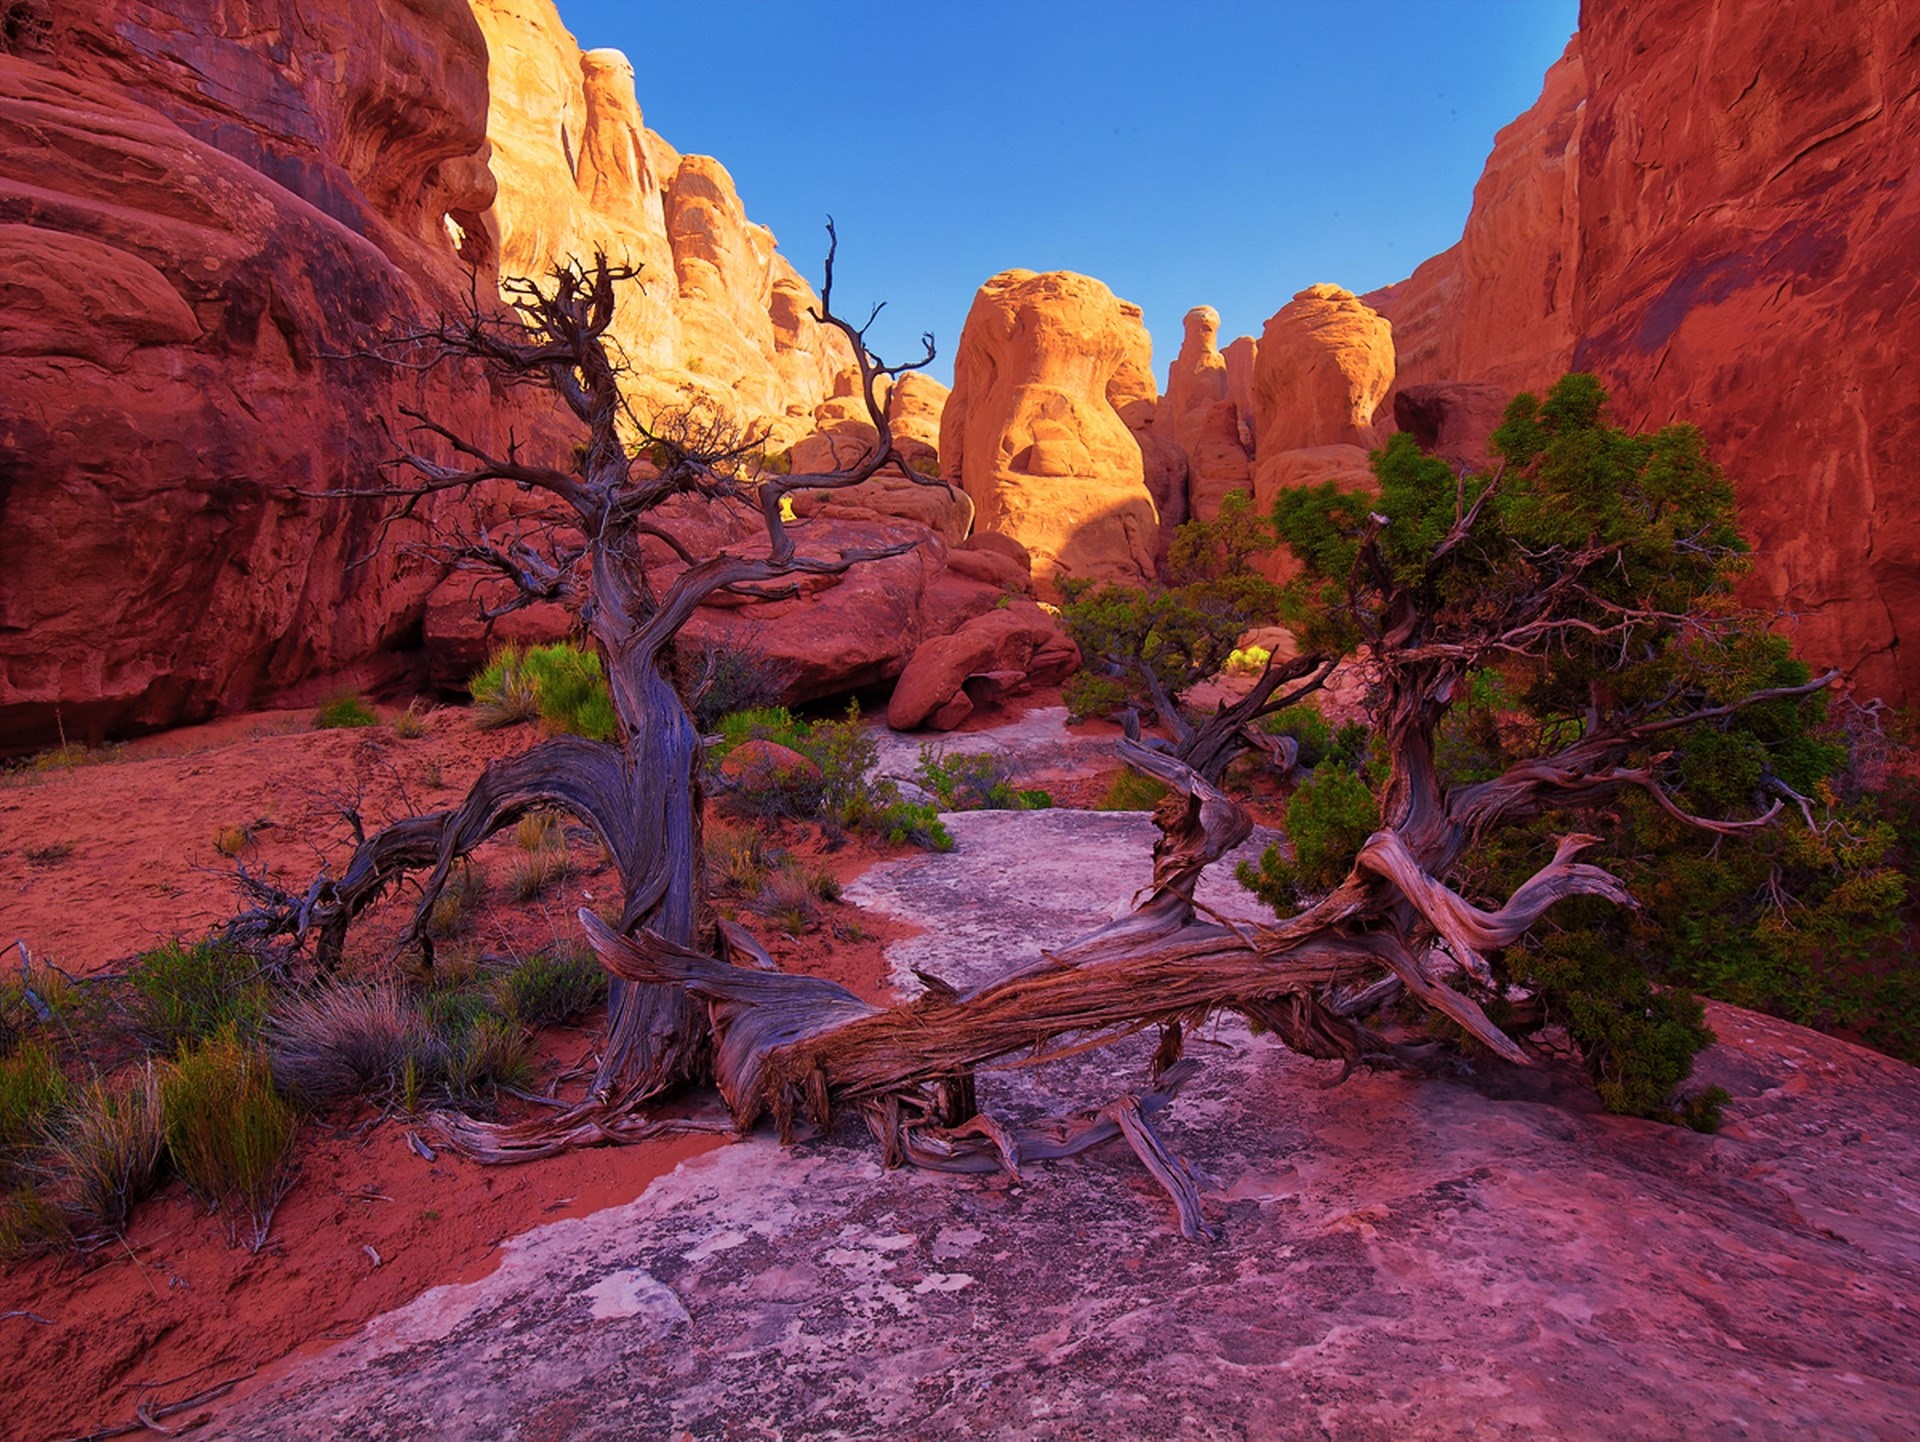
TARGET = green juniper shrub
(1308,728)
(1139,644)
(343,711)
(1625,547)
(1328,819)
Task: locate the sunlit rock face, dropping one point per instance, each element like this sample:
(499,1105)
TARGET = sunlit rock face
(1324,366)
(205,215)
(1035,432)
(720,318)
(1740,255)
(1198,414)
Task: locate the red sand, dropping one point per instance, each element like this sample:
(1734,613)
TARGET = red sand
(100,861)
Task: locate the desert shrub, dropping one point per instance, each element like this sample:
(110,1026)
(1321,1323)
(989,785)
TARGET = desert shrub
(182,993)
(1131,791)
(503,690)
(341,1041)
(552,987)
(1140,645)
(738,861)
(33,1090)
(1328,819)
(411,724)
(974,781)
(790,896)
(343,711)
(571,691)
(542,859)
(31,999)
(454,908)
(475,1064)
(1307,727)
(718,681)
(846,794)
(31,1224)
(104,1156)
(229,1132)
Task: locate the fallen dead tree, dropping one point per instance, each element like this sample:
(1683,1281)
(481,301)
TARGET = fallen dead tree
(1604,590)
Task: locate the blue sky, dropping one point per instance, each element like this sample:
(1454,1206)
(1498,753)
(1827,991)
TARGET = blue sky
(1185,152)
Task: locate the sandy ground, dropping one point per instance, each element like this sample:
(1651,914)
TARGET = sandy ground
(99,861)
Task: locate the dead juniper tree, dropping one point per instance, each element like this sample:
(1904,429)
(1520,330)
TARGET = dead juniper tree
(1592,574)
(640,793)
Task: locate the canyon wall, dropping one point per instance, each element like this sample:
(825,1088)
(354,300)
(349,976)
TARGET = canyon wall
(208,215)
(205,219)
(720,317)
(1712,209)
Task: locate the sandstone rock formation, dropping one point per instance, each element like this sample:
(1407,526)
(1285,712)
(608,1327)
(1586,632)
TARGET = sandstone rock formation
(1000,653)
(1499,306)
(1199,415)
(721,317)
(1452,419)
(1740,256)
(1033,429)
(842,432)
(1324,365)
(205,219)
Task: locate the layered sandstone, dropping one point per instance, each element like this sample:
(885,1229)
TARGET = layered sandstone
(1035,432)
(1199,415)
(1324,365)
(1710,209)
(720,319)
(205,220)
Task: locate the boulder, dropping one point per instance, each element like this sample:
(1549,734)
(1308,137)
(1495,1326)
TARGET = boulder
(1007,650)
(1032,434)
(843,434)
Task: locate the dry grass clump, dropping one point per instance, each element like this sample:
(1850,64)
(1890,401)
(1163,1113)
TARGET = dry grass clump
(542,859)
(412,723)
(790,897)
(344,1041)
(102,1157)
(453,909)
(738,861)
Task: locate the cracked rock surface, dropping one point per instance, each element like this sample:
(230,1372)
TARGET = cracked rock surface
(1481,1256)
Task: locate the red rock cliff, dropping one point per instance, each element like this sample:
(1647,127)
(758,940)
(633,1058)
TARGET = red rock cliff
(1743,256)
(204,211)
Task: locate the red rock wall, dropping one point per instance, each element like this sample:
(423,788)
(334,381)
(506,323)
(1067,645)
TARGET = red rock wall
(203,211)
(1744,255)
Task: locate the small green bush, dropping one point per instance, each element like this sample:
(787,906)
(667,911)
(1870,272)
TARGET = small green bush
(1328,820)
(230,1133)
(559,684)
(974,781)
(503,690)
(342,711)
(549,988)
(183,994)
(717,681)
(1307,727)
(1131,791)
(33,1090)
